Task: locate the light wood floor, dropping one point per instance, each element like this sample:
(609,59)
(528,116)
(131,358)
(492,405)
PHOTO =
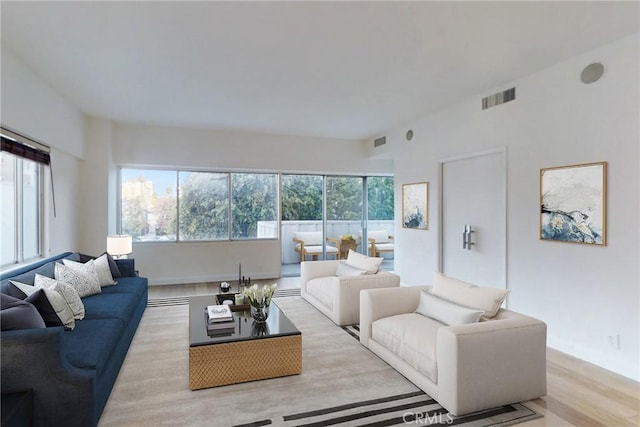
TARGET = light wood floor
(578,393)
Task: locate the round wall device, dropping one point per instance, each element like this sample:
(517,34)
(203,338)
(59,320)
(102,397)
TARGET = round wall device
(592,73)
(409,135)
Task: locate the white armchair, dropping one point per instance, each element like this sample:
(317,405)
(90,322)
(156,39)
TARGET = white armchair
(338,297)
(465,367)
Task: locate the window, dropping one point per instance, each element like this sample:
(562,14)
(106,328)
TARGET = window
(204,206)
(148,204)
(254,201)
(163,205)
(22,213)
(380,197)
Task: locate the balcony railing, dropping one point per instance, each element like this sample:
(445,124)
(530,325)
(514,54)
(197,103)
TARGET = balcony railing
(335,229)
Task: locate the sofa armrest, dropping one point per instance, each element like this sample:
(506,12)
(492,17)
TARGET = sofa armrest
(511,352)
(378,303)
(127,267)
(31,360)
(348,293)
(313,269)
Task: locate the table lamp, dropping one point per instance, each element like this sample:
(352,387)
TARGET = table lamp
(119,246)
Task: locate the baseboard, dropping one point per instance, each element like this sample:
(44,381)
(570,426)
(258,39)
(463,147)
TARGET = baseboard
(183,280)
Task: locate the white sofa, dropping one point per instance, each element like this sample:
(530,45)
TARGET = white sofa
(465,367)
(338,297)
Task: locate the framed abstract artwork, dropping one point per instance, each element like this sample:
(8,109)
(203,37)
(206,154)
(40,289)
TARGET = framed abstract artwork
(415,205)
(573,203)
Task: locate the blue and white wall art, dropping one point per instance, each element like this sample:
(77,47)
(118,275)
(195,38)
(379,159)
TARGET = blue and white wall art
(415,199)
(573,203)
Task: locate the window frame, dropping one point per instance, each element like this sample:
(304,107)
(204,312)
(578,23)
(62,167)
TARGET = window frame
(177,171)
(18,256)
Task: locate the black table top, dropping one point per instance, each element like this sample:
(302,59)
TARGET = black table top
(244,327)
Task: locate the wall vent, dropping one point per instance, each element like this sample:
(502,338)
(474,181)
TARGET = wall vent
(499,98)
(380,141)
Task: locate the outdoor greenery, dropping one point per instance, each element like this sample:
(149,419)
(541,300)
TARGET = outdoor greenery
(204,205)
(204,210)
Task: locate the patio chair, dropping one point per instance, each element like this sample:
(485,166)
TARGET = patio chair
(310,243)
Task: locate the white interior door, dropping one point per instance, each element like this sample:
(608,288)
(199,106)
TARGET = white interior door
(474,193)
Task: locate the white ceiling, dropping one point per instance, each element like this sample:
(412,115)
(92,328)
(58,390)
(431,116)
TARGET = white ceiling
(333,69)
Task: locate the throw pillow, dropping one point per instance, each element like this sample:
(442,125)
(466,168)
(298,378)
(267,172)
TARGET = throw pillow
(85,284)
(18,314)
(67,291)
(51,305)
(463,293)
(346,270)
(446,312)
(103,271)
(113,266)
(363,262)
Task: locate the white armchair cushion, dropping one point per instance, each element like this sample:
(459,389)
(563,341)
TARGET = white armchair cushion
(445,311)
(309,237)
(412,338)
(344,269)
(466,294)
(380,236)
(363,262)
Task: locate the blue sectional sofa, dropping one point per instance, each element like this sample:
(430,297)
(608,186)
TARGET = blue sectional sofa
(57,377)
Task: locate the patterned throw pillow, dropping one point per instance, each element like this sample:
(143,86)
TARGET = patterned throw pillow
(85,283)
(67,291)
(51,305)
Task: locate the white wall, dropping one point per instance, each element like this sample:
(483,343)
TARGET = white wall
(148,146)
(30,106)
(170,146)
(584,293)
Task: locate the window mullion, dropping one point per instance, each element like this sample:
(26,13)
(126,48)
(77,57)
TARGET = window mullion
(19,212)
(229,208)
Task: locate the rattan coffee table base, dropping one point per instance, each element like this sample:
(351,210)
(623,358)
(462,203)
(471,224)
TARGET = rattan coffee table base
(236,362)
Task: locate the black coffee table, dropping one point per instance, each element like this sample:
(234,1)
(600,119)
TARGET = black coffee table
(251,352)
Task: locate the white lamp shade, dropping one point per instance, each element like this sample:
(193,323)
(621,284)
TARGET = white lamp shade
(119,245)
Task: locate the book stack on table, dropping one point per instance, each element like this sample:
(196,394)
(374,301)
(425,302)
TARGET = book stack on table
(219,320)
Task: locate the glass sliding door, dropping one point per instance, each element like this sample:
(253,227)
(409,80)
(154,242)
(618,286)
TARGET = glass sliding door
(302,208)
(380,216)
(333,209)
(344,213)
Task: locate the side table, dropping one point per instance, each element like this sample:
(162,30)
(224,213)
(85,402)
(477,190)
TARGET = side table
(345,245)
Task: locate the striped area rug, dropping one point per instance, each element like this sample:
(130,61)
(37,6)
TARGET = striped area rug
(426,411)
(184,300)
(414,408)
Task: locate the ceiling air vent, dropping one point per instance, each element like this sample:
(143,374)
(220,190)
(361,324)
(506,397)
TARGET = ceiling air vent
(499,98)
(380,141)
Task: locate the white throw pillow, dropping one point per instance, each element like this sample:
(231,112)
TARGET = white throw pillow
(67,291)
(346,270)
(85,283)
(446,312)
(463,293)
(57,302)
(363,262)
(103,271)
